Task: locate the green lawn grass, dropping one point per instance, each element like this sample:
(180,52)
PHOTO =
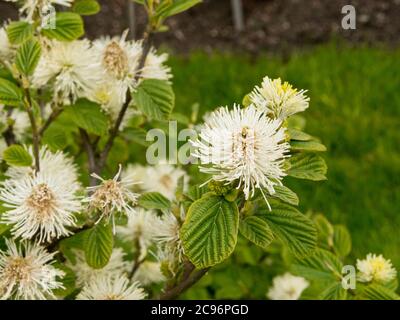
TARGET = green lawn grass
(355,110)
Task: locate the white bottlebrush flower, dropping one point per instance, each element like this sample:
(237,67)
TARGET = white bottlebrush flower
(155,68)
(375,268)
(40,206)
(112,196)
(26,272)
(119,60)
(142,226)
(148,273)
(68,67)
(243,145)
(84,273)
(111,288)
(50,162)
(287,287)
(6,49)
(163,178)
(30,8)
(279,100)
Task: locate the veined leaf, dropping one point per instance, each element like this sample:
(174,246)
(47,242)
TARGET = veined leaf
(286,195)
(299,135)
(307,166)
(99,245)
(307,146)
(209,233)
(257,231)
(88,115)
(335,291)
(86,7)
(10,94)
(176,7)
(28,55)
(19,31)
(320,266)
(341,240)
(16,155)
(292,227)
(154,200)
(155,98)
(69,26)
(378,292)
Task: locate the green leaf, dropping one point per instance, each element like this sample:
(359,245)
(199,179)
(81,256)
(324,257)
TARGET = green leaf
(341,240)
(136,135)
(86,7)
(307,166)
(209,233)
(154,200)
(307,146)
(89,116)
(155,98)
(10,94)
(69,26)
(299,135)
(334,291)
(16,155)
(55,137)
(286,195)
(320,266)
(292,227)
(196,192)
(99,245)
(28,55)
(378,292)
(176,7)
(19,31)
(257,231)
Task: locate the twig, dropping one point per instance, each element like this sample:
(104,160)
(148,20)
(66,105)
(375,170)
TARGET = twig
(53,116)
(136,266)
(90,152)
(35,134)
(186,283)
(114,131)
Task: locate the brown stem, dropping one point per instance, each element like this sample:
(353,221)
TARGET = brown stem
(186,283)
(115,129)
(89,150)
(9,135)
(35,133)
(53,116)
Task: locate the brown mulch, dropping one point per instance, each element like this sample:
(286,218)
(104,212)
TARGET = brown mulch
(270,25)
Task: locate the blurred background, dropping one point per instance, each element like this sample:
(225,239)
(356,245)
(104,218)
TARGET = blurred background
(353,78)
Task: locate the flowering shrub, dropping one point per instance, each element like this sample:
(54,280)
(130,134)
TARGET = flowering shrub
(81,218)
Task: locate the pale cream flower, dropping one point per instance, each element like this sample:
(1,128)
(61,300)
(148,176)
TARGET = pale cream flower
(142,226)
(375,268)
(41,206)
(287,287)
(70,68)
(162,178)
(112,196)
(84,273)
(243,146)
(19,120)
(32,8)
(155,68)
(7,51)
(27,273)
(50,162)
(148,273)
(279,100)
(111,288)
